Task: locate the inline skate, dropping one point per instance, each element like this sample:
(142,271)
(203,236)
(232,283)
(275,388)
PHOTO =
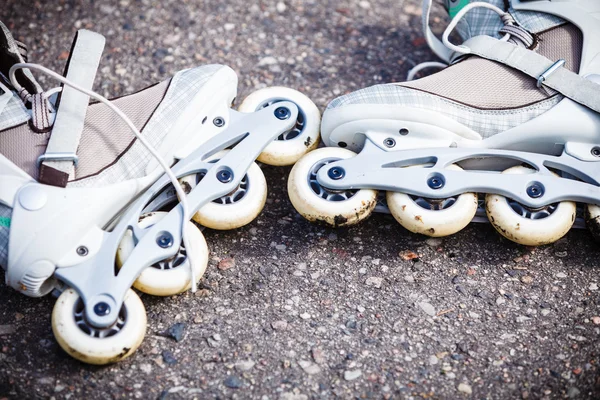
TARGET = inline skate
(97,197)
(515,117)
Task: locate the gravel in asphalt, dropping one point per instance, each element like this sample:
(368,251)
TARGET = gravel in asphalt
(303,311)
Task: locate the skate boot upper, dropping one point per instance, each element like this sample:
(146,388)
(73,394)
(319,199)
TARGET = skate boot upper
(518,104)
(483,96)
(107,152)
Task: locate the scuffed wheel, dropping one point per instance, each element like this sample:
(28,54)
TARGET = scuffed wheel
(433,217)
(592,220)
(98,345)
(173,275)
(235,209)
(321,205)
(304,137)
(525,225)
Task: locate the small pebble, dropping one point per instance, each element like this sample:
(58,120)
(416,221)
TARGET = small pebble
(279,325)
(168,357)
(226,264)
(309,367)
(281,7)
(527,279)
(176,331)
(318,355)
(245,365)
(374,281)
(573,392)
(233,382)
(427,308)
(352,374)
(464,388)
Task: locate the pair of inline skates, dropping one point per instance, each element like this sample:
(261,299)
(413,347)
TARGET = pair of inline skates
(97,198)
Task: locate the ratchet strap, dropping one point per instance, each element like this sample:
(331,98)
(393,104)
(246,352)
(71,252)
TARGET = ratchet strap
(60,158)
(548,73)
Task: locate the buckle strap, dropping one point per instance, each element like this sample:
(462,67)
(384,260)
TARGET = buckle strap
(547,73)
(72,107)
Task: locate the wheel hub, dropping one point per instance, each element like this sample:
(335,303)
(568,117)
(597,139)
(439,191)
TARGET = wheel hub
(323,192)
(296,130)
(81,321)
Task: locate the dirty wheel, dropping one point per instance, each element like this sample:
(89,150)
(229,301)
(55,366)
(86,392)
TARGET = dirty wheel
(98,345)
(235,209)
(525,225)
(173,275)
(304,137)
(322,205)
(433,217)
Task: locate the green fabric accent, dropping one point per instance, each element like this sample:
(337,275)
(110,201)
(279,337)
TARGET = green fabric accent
(454,9)
(5,222)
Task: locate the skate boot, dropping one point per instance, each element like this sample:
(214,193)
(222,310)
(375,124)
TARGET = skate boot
(515,116)
(97,197)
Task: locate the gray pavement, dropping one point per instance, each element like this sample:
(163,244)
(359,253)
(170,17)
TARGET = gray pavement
(304,311)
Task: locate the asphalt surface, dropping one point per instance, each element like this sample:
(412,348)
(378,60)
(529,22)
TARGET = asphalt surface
(304,311)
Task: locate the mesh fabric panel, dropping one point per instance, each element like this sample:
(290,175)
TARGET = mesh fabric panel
(489,85)
(23,146)
(106,136)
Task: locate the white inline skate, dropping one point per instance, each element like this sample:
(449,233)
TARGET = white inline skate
(516,116)
(95,198)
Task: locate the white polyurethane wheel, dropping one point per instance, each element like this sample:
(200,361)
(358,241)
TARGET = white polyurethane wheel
(235,209)
(172,276)
(302,139)
(592,220)
(80,340)
(316,208)
(528,231)
(434,223)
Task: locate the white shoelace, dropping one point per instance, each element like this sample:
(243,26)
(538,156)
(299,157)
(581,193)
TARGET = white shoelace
(444,48)
(180,192)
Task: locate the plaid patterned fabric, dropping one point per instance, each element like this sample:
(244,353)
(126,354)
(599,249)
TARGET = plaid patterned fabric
(481,21)
(184,86)
(13,114)
(5,213)
(485,122)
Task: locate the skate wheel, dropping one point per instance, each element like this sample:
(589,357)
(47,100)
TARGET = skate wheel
(527,226)
(173,275)
(431,217)
(304,137)
(236,209)
(592,220)
(321,205)
(98,345)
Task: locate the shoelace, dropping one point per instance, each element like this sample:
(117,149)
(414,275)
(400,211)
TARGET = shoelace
(180,192)
(444,49)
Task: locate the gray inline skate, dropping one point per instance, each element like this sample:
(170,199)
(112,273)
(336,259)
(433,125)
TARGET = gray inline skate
(95,198)
(515,116)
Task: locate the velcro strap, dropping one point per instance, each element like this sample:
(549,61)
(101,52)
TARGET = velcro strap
(72,106)
(569,84)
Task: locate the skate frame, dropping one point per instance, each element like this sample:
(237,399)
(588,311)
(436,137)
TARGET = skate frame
(376,168)
(94,276)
